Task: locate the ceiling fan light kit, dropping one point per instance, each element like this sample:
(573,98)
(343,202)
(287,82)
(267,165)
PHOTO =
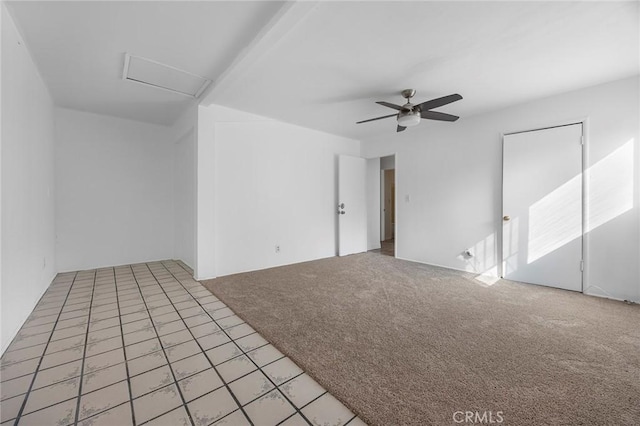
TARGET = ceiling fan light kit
(410,115)
(408,118)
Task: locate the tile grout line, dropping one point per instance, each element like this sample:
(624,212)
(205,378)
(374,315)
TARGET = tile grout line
(223,417)
(258,397)
(102,412)
(154,390)
(86,344)
(51,405)
(136,375)
(126,365)
(299,411)
(8,350)
(350,420)
(226,385)
(102,329)
(247,353)
(165,282)
(276,387)
(184,403)
(35,374)
(286,419)
(233,340)
(176,408)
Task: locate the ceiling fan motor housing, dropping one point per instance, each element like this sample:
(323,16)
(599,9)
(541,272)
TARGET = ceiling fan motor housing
(408,93)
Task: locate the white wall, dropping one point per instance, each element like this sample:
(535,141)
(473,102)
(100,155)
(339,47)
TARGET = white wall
(114,201)
(388,162)
(184,186)
(205,195)
(28,248)
(275,184)
(452,173)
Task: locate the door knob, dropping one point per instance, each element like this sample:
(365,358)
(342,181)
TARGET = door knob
(506,218)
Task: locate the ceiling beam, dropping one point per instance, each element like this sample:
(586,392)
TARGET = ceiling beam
(286,20)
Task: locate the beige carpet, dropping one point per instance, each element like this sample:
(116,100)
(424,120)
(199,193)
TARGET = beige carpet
(402,343)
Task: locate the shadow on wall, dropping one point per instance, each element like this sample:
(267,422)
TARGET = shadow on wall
(610,194)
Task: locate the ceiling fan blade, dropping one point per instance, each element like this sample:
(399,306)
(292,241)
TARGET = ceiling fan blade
(440,116)
(378,118)
(435,103)
(390,105)
(400,129)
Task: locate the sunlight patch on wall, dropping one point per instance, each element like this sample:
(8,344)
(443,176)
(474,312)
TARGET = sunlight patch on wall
(555,220)
(611,181)
(484,260)
(484,255)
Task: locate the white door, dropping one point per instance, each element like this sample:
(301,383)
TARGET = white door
(542,207)
(352,226)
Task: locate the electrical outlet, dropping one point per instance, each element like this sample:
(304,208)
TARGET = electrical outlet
(277,249)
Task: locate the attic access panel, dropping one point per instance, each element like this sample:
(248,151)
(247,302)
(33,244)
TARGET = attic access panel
(156,74)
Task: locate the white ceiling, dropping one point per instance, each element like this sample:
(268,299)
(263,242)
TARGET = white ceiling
(328,70)
(79,48)
(322,65)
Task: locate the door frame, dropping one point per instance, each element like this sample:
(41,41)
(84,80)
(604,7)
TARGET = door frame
(584,121)
(382,225)
(383,204)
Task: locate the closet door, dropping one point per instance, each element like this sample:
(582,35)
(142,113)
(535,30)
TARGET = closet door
(542,207)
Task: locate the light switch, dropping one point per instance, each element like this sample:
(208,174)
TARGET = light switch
(407,198)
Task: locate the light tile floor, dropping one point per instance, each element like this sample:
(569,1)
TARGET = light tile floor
(147,344)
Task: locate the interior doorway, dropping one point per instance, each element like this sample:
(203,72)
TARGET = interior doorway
(387,205)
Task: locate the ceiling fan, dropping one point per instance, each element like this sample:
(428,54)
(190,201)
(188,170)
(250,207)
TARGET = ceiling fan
(409,115)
